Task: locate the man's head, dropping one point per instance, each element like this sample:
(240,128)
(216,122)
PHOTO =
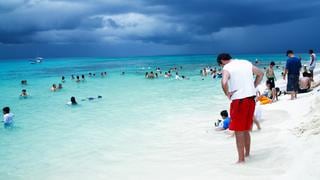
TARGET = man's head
(310,51)
(272,63)
(290,53)
(223,58)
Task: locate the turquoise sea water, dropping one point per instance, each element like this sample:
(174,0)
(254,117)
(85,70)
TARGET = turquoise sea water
(140,128)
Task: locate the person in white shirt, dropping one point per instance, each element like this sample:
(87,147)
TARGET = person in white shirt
(312,63)
(239,85)
(7,117)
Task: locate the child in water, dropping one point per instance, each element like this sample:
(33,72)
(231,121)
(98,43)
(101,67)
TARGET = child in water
(7,117)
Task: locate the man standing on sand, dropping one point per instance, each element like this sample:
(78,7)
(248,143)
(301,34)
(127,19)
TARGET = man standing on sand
(312,63)
(293,67)
(239,85)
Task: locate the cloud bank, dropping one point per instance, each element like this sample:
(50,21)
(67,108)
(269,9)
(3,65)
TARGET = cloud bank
(185,26)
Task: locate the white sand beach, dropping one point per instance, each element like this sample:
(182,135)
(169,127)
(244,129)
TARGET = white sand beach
(288,146)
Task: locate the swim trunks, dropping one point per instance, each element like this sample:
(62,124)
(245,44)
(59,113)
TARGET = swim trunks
(241,114)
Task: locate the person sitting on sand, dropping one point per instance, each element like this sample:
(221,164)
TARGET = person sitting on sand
(7,117)
(24,93)
(269,95)
(54,87)
(224,123)
(305,83)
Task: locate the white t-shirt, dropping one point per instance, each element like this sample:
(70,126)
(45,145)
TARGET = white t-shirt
(313,65)
(8,118)
(241,79)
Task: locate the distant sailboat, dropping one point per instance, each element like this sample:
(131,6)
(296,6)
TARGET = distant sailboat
(36,60)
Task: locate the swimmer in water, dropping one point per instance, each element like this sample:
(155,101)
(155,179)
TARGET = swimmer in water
(92,98)
(54,87)
(7,117)
(24,93)
(72,101)
(59,86)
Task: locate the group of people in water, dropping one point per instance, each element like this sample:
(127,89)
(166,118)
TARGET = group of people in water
(8,116)
(167,74)
(269,95)
(213,72)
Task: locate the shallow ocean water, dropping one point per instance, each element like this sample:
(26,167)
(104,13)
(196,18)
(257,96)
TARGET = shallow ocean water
(139,129)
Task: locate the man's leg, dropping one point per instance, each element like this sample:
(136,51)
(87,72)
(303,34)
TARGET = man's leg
(292,95)
(240,141)
(247,142)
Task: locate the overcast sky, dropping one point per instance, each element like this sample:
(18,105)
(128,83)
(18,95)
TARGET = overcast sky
(60,28)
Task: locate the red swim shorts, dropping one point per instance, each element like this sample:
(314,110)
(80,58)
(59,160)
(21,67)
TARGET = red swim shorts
(241,114)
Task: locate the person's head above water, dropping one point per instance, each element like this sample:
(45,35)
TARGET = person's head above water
(6,110)
(23,92)
(73,100)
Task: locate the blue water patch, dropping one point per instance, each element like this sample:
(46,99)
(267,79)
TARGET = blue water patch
(50,137)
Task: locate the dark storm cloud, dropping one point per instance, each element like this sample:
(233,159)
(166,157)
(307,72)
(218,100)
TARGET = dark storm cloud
(211,16)
(165,22)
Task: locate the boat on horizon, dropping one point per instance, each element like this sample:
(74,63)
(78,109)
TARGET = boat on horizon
(36,60)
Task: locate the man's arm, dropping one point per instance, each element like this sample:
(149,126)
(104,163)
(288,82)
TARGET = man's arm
(285,73)
(259,75)
(224,83)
